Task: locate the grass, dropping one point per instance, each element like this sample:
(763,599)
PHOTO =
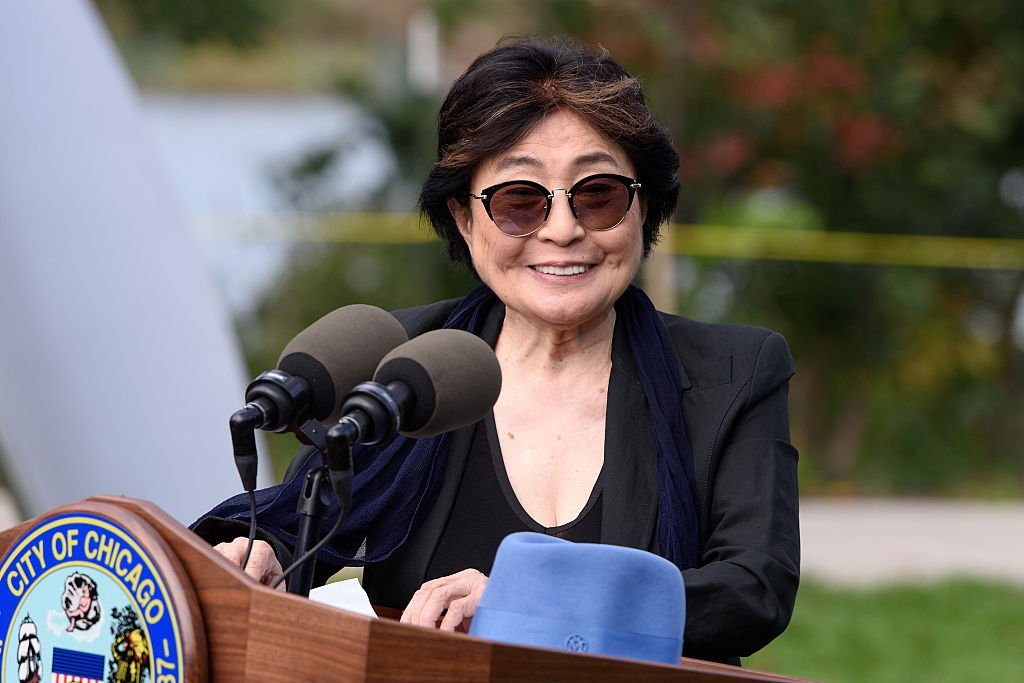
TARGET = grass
(956,630)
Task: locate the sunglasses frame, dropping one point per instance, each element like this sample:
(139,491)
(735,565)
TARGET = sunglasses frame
(487,193)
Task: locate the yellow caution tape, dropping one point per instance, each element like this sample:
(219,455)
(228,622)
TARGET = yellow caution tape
(690,240)
(848,247)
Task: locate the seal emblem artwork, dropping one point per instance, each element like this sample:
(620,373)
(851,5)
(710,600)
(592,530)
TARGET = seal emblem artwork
(53,625)
(29,653)
(81,603)
(576,643)
(130,649)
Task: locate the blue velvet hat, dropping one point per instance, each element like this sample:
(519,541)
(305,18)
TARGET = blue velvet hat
(584,597)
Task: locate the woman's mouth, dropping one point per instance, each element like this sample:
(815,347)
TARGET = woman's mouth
(576,269)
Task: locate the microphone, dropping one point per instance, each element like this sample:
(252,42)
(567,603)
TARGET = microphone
(436,382)
(320,364)
(327,358)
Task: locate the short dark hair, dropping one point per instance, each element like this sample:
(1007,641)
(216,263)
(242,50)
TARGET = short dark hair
(509,89)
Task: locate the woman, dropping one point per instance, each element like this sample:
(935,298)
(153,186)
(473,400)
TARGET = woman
(615,423)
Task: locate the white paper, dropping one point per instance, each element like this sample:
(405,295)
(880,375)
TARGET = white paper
(346,595)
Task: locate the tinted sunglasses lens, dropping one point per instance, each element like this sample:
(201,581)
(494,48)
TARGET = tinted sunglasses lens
(601,203)
(518,209)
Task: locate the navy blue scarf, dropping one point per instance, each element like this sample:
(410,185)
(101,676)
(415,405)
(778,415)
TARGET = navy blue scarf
(395,487)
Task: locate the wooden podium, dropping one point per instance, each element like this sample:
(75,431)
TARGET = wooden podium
(235,630)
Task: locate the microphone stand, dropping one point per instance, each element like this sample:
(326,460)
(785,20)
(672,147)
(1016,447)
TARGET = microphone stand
(313,502)
(314,498)
(372,416)
(336,448)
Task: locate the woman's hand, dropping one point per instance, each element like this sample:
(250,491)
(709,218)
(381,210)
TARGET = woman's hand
(263,564)
(458,594)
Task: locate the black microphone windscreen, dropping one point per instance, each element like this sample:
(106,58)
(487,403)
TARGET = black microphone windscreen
(339,351)
(453,374)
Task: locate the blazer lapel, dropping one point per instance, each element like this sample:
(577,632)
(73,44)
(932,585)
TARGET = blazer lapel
(629,508)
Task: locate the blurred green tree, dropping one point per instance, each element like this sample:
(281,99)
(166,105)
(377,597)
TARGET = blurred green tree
(853,116)
(865,116)
(240,23)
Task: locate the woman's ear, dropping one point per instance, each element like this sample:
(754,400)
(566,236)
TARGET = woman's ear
(461,213)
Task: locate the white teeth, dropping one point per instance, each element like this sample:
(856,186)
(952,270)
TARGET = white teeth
(562,270)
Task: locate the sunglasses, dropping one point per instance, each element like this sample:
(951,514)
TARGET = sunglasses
(520,207)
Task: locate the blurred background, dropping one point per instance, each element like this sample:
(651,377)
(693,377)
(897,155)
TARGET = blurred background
(853,177)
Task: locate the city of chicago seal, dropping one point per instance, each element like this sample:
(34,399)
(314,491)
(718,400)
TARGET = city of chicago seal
(57,584)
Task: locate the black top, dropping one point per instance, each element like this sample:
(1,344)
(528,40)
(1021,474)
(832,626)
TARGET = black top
(486,510)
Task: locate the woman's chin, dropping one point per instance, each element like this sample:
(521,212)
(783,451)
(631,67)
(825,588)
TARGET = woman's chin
(562,315)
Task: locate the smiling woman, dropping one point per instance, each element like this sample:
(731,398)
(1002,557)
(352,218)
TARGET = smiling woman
(566,275)
(615,424)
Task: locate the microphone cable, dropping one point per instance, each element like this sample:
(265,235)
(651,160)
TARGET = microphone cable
(252,529)
(309,554)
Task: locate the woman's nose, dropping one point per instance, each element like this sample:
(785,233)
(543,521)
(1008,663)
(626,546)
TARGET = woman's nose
(561,227)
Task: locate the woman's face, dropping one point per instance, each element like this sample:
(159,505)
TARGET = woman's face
(562,276)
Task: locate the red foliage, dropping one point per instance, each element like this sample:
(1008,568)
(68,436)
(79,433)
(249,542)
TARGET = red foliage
(865,139)
(703,45)
(828,72)
(689,166)
(769,87)
(728,152)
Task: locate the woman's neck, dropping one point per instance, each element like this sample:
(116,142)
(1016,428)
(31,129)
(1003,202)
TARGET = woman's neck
(527,345)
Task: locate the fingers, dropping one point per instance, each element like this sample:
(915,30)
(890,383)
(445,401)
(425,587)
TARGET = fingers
(460,612)
(234,550)
(455,597)
(263,564)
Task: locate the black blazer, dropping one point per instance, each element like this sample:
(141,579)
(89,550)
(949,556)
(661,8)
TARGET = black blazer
(734,394)
(734,384)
